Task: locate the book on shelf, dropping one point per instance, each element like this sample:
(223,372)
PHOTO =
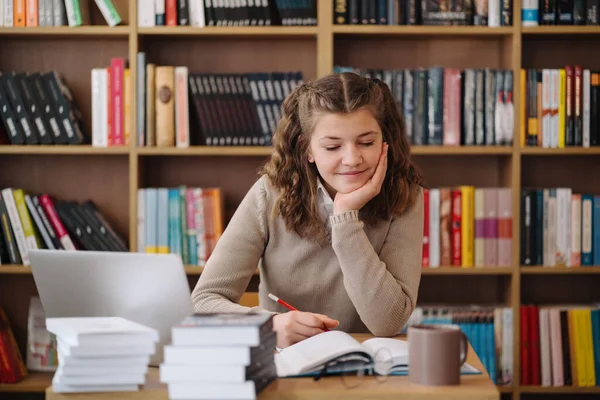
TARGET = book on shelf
(560,345)
(451,107)
(187,221)
(39,108)
(560,107)
(492,13)
(180,108)
(111,104)
(489,330)
(571,12)
(559,228)
(467,227)
(200,13)
(29,221)
(42,13)
(12,366)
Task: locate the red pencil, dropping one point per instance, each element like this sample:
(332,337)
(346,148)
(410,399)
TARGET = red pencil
(288,306)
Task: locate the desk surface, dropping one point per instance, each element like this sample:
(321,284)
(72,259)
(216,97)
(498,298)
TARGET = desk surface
(472,387)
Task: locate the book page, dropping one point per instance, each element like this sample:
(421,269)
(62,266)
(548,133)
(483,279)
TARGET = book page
(315,351)
(383,348)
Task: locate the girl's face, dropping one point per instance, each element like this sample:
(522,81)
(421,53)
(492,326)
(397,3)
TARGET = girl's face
(345,148)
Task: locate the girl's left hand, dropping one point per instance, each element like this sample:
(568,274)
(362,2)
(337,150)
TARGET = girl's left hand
(356,199)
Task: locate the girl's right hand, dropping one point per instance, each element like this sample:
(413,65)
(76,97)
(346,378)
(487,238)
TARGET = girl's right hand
(295,326)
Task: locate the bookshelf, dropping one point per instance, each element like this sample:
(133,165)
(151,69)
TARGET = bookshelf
(111,176)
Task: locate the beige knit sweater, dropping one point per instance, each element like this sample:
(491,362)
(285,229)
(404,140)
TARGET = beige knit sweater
(367,278)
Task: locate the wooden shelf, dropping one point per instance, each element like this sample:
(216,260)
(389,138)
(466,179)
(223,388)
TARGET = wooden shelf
(63,150)
(560,30)
(35,382)
(15,269)
(593,270)
(467,271)
(557,390)
(231,31)
(206,151)
(421,30)
(91,31)
(566,151)
(461,150)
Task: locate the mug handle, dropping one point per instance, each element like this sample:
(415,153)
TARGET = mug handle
(464,348)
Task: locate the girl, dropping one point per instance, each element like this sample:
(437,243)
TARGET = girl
(335,221)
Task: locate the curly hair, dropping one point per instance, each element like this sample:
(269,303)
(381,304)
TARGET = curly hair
(288,168)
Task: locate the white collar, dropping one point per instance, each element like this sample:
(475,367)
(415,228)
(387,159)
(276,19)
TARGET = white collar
(324,201)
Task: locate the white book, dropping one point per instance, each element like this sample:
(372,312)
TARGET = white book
(576,231)
(434,228)
(563,212)
(170,373)
(8,13)
(146,13)
(479,237)
(103,362)
(545,360)
(109,12)
(212,391)
(65,369)
(59,12)
(494,13)
(108,379)
(60,387)
(556,348)
(207,355)
(15,221)
(49,12)
(41,12)
(70,13)
(586,108)
(101,331)
(2,12)
(546,228)
(182,127)
(141,220)
(552,217)
(546,101)
(99,107)
(68,350)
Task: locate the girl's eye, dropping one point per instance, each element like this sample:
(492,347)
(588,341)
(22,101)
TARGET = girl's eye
(367,144)
(332,148)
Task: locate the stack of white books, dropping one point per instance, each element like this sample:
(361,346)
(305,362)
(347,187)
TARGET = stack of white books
(220,356)
(101,354)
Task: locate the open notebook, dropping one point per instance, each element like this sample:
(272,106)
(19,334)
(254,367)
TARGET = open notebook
(344,353)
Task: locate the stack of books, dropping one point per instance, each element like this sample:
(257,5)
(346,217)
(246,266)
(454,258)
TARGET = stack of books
(220,356)
(101,354)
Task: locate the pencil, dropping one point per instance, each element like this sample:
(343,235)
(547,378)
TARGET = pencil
(288,306)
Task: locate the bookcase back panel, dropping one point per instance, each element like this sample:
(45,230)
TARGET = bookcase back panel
(557,51)
(15,295)
(559,289)
(464,289)
(224,55)
(561,396)
(102,179)
(415,52)
(122,7)
(576,172)
(72,58)
(482,171)
(234,175)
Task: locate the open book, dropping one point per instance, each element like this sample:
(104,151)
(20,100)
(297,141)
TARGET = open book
(341,352)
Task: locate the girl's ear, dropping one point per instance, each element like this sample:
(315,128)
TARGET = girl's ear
(310,158)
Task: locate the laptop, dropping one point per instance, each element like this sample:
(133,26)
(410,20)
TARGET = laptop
(151,289)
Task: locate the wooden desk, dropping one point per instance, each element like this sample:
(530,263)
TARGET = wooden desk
(472,387)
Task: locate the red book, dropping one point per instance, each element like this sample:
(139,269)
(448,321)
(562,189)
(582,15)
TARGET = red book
(117,66)
(456,228)
(171,12)
(524,347)
(61,232)
(425,257)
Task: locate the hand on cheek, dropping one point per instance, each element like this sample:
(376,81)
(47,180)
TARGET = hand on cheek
(356,199)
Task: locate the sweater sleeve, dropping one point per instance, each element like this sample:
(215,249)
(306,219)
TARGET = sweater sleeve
(383,287)
(235,257)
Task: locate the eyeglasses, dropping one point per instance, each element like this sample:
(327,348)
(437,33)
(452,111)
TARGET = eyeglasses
(352,368)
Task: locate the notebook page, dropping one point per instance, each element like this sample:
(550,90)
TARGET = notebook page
(314,351)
